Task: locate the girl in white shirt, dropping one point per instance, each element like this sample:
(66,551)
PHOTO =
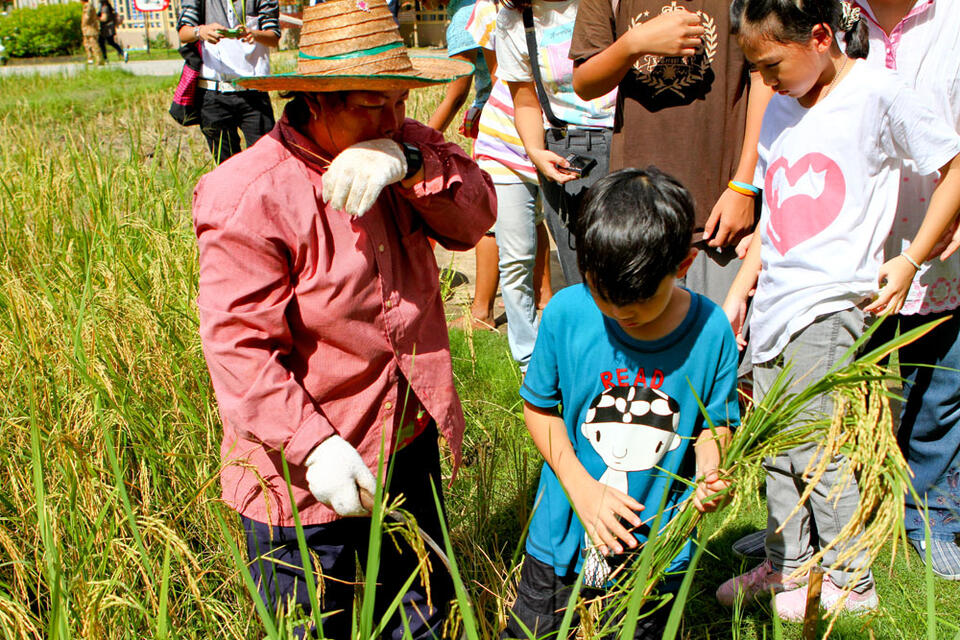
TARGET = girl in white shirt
(831,149)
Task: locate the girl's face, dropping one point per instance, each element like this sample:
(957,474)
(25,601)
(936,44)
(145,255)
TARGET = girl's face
(791,68)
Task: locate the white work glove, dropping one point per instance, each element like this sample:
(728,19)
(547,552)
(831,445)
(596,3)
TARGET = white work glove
(334,472)
(355,178)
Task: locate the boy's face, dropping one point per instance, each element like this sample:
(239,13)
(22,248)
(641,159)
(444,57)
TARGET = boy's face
(641,320)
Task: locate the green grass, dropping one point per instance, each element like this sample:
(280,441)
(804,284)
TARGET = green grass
(110,520)
(154,54)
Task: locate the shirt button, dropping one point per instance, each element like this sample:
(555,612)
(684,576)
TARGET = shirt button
(389,304)
(388,405)
(381,248)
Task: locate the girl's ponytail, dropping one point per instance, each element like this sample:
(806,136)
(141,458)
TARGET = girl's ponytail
(856,35)
(797,18)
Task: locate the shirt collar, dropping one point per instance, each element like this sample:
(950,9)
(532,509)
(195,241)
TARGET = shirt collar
(918,7)
(305,149)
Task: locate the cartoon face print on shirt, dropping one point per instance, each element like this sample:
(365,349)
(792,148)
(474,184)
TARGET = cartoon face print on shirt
(804,198)
(682,76)
(632,428)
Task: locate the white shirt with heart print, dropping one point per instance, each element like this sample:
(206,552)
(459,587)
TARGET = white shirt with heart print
(830,177)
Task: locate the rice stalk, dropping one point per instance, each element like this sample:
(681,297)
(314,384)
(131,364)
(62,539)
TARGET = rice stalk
(860,429)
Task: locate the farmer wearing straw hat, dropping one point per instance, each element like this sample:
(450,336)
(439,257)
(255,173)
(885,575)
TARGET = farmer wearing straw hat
(321,316)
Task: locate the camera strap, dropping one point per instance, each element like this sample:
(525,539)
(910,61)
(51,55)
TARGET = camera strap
(531,34)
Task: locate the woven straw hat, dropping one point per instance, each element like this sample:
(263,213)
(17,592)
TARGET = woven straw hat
(350,45)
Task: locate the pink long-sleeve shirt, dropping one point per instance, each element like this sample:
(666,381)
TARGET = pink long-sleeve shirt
(314,323)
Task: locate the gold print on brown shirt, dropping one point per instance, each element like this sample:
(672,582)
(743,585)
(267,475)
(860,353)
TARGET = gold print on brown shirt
(676,73)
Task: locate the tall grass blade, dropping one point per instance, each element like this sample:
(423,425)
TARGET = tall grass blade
(680,601)
(463,598)
(305,557)
(928,576)
(567,621)
(638,592)
(372,570)
(162,622)
(124,497)
(57,622)
(266,619)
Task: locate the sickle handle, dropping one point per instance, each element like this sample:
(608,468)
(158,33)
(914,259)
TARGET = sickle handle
(366,499)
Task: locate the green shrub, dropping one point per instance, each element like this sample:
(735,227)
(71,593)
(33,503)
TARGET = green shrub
(160,41)
(47,30)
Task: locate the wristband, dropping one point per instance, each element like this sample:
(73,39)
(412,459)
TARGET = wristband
(910,260)
(414,159)
(196,32)
(743,188)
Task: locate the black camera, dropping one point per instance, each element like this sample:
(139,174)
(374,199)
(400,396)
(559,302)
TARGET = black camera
(579,165)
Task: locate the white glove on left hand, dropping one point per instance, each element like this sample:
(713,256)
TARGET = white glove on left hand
(335,473)
(355,178)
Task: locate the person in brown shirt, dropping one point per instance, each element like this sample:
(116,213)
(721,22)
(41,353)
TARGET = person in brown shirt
(90,30)
(686,114)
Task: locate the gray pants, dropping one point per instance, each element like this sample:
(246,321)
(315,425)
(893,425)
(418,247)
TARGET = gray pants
(813,352)
(561,203)
(710,277)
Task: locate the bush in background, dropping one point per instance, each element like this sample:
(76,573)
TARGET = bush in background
(47,30)
(160,41)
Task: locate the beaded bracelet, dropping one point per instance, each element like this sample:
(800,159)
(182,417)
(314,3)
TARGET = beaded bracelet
(910,260)
(743,188)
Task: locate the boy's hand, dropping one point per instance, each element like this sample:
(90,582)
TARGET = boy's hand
(736,310)
(705,499)
(675,33)
(551,165)
(898,274)
(731,216)
(600,508)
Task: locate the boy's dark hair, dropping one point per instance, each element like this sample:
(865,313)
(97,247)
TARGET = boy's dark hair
(633,231)
(796,19)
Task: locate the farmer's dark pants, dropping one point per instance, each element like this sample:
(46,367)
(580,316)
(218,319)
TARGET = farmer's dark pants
(223,113)
(276,564)
(929,434)
(542,598)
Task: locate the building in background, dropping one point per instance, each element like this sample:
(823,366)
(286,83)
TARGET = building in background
(418,28)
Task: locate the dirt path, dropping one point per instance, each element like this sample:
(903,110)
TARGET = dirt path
(136,67)
(461,268)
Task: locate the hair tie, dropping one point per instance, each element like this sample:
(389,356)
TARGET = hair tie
(850,17)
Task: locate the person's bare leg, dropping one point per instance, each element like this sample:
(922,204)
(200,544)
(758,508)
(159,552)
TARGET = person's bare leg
(543,290)
(455,97)
(485,284)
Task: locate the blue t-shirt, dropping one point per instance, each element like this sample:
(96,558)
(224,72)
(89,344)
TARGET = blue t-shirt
(624,403)
(459,40)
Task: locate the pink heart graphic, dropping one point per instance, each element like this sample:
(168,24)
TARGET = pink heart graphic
(797,211)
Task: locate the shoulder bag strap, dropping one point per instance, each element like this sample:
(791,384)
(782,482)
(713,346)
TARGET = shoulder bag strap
(531,34)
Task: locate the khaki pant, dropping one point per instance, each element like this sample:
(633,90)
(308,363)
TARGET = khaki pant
(90,46)
(813,352)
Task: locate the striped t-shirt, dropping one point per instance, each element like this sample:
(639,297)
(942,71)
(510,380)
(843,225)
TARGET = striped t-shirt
(498,149)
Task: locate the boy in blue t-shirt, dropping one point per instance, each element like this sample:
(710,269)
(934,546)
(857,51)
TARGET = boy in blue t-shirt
(626,355)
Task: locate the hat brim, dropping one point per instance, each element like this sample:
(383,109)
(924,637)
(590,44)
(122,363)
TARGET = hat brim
(428,71)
